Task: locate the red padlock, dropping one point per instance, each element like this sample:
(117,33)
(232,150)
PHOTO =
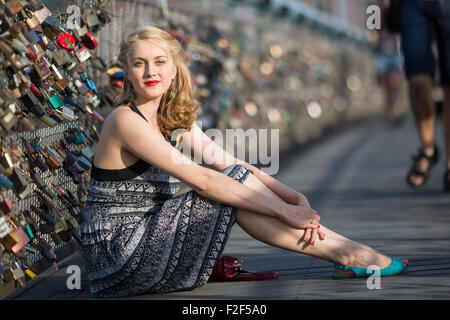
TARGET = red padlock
(35,90)
(118,83)
(83,54)
(89,40)
(31,54)
(66,40)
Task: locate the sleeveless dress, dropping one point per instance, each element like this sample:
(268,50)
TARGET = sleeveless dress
(138,237)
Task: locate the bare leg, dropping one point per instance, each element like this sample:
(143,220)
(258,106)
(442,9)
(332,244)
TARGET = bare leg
(446,122)
(334,248)
(388,97)
(422,105)
(393,87)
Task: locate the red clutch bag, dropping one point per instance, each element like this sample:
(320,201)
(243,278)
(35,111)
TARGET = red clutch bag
(229,269)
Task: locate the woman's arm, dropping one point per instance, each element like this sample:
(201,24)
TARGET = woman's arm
(284,192)
(147,143)
(217,158)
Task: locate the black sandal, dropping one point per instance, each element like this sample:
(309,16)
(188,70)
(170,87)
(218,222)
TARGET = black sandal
(447,181)
(432,160)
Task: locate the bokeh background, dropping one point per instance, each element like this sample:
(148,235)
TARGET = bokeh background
(297,66)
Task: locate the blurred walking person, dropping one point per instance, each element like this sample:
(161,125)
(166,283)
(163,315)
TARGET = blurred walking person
(420,22)
(388,64)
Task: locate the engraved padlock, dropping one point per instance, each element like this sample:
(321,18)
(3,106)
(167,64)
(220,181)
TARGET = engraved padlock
(18,273)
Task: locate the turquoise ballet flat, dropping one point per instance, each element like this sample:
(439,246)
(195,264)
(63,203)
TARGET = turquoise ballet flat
(394,268)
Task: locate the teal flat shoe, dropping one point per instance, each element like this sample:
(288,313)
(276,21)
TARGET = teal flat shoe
(394,268)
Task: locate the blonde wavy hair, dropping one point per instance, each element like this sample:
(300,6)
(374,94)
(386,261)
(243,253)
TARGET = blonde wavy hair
(178,106)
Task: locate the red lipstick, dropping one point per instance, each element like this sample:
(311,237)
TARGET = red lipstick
(152,83)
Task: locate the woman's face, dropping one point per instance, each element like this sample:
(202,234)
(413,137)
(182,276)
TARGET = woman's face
(150,69)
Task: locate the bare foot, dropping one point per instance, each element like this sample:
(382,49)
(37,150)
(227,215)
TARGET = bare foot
(300,217)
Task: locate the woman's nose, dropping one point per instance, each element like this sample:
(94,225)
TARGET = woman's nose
(150,70)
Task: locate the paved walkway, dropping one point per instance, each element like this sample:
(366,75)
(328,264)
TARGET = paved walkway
(355,179)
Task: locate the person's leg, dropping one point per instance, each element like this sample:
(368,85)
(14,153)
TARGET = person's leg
(422,105)
(446,125)
(381,66)
(416,33)
(334,248)
(382,81)
(443,37)
(393,88)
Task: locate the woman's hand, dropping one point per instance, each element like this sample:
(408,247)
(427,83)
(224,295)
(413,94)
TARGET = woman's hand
(302,200)
(300,217)
(310,233)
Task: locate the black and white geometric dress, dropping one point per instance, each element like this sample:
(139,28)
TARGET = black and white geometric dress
(138,237)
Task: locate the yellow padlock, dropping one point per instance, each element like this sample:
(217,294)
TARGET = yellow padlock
(30,273)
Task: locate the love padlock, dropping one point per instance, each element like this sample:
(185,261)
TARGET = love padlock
(89,40)
(90,83)
(66,40)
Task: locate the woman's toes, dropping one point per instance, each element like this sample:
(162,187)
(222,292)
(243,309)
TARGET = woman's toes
(346,272)
(405,261)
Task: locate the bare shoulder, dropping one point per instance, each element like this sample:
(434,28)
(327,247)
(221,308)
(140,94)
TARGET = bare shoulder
(120,112)
(122,118)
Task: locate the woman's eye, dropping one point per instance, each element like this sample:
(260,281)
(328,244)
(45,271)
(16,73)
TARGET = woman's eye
(159,62)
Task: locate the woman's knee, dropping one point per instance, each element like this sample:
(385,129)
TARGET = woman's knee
(420,81)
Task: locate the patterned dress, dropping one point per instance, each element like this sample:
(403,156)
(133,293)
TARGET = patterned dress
(139,237)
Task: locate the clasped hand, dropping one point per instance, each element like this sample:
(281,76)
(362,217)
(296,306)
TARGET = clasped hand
(302,216)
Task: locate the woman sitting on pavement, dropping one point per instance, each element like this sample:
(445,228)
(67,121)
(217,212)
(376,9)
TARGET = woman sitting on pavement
(139,237)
